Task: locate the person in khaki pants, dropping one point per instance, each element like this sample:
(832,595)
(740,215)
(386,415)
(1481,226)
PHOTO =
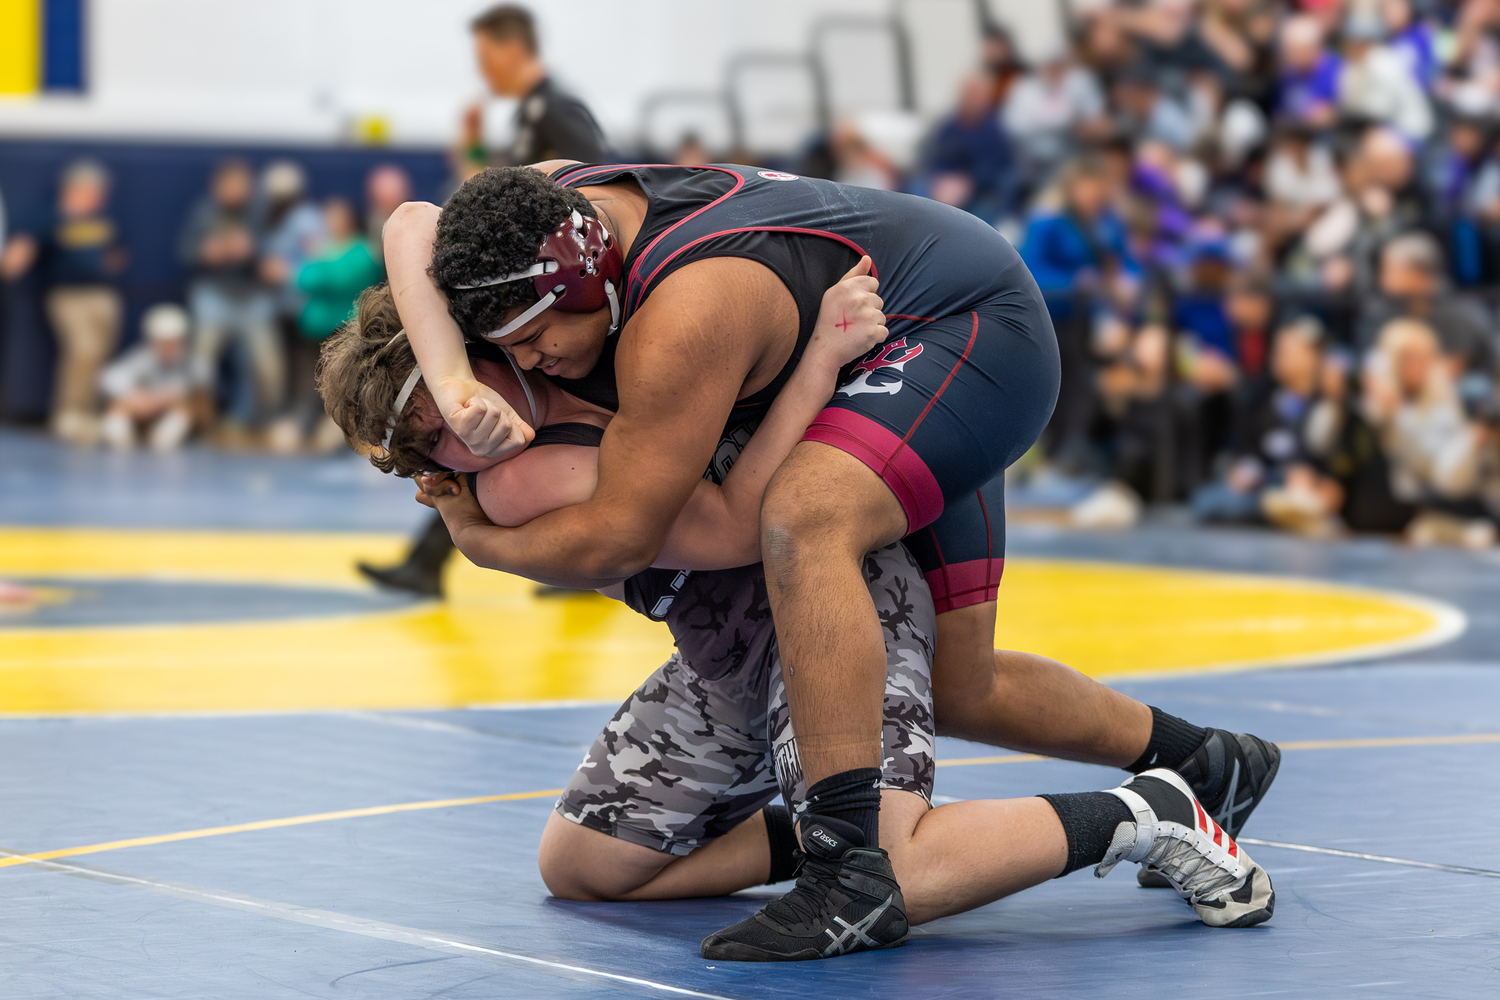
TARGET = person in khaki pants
(81,254)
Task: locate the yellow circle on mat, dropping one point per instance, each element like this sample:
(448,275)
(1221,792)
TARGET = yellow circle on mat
(494,641)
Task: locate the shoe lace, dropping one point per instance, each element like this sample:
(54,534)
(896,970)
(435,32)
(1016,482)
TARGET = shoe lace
(1189,868)
(804,904)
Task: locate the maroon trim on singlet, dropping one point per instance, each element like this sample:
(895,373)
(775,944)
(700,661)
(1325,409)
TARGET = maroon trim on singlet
(635,288)
(918,319)
(635,269)
(973,336)
(892,458)
(888,456)
(961,585)
(755,229)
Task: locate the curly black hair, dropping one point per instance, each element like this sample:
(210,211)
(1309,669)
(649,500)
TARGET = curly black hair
(494,224)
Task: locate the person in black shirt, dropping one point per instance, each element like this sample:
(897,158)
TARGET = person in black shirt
(550,124)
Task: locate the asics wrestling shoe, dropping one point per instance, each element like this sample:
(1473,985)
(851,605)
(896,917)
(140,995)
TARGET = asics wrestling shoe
(846,899)
(1229,773)
(1175,838)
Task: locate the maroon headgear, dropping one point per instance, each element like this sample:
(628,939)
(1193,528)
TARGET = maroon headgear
(578,269)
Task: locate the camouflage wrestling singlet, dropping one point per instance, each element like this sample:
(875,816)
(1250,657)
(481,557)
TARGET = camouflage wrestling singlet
(706,741)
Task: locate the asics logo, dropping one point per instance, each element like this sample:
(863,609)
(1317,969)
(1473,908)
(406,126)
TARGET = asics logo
(818,834)
(1225,815)
(853,935)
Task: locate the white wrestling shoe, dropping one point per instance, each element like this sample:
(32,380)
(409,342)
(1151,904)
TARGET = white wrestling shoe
(1172,835)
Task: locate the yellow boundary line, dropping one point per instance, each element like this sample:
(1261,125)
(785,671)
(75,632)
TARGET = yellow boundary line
(270,824)
(273,824)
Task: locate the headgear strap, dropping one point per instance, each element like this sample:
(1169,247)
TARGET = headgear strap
(404,396)
(599,266)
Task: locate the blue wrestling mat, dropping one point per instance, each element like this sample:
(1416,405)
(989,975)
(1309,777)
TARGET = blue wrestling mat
(392,854)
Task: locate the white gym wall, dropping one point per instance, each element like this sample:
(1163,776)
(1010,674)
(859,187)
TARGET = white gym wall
(311,70)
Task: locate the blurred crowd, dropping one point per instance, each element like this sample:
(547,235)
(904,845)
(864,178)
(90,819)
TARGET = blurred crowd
(1269,237)
(271,274)
(1268,232)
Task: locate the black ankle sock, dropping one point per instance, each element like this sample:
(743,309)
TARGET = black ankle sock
(782,833)
(1172,742)
(852,796)
(1089,819)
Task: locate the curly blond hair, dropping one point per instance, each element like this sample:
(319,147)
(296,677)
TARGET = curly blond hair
(361,369)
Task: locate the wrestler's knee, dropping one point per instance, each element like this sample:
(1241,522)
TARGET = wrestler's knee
(823,502)
(587,866)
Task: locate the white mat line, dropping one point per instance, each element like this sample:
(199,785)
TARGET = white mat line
(1386,859)
(366,928)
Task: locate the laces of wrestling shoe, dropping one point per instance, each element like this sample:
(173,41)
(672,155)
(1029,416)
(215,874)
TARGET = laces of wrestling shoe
(804,904)
(1189,867)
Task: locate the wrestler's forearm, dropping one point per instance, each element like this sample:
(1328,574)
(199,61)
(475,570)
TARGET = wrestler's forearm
(435,337)
(577,546)
(719,528)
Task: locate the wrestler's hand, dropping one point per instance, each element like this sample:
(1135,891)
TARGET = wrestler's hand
(449,495)
(850,322)
(481,417)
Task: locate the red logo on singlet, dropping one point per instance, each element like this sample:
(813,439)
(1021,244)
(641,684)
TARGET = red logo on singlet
(778,175)
(891,356)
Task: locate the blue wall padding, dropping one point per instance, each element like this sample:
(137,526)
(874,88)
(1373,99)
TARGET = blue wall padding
(62,45)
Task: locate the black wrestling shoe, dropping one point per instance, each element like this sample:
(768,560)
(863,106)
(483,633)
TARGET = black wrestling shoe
(846,899)
(1229,773)
(408,576)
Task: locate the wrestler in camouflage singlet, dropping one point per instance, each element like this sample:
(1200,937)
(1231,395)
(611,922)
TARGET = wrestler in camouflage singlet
(706,741)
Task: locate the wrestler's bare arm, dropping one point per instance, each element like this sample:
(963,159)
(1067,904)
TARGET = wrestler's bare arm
(720,526)
(692,348)
(471,408)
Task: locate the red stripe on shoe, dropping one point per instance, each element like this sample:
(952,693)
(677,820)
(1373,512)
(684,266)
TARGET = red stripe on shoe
(958,585)
(1234,851)
(888,456)
(1202,817)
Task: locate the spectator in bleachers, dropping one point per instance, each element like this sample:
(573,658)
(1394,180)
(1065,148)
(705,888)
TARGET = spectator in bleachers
(1076,249)
(1471,197)
(691,151)
(1462,190)
(1308,88)
(155,387)
(1049,109)
(1414,283)
(1375,82)
(1411,398)
(77,249)
(1144,110)
(1280,443)
(967,161)
(1414,41)
(1001,66)
(337,270)
(231,307)
(293,228)
(856,161)
(387,188)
